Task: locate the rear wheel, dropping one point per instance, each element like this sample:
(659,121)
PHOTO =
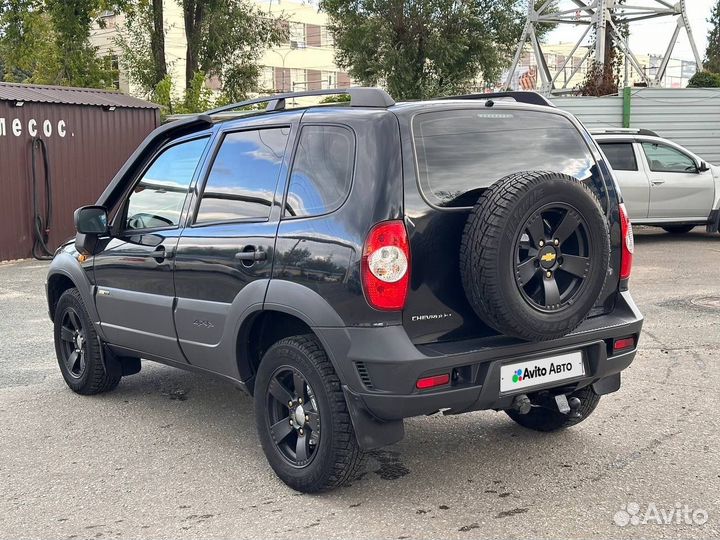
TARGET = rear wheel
(78,349)
(678,229)
(302,417)
(542,419)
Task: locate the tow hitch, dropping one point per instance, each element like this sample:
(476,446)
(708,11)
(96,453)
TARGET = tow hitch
(571,407)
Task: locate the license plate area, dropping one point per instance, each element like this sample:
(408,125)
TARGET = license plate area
(529,374)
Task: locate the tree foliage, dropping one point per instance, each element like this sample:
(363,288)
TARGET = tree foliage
(712,54)
(705,79)
(48,42)
(142,45)
(423,48)
(225,39)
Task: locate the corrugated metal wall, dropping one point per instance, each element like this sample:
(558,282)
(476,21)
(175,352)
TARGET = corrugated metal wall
(95,144)
(688,116)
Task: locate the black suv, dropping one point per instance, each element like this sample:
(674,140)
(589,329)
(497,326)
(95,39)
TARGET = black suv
(354,264)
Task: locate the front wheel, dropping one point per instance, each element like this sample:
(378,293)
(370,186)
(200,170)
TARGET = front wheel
(302,417)
(678,229)
(78,349)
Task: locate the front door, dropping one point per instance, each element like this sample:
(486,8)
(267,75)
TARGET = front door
(224,258)
(134,273)
(678,190)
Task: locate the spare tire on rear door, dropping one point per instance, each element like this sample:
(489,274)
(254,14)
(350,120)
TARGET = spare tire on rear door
(534,255)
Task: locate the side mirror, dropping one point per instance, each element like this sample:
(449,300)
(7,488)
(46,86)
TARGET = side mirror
(92,220)
(703,167)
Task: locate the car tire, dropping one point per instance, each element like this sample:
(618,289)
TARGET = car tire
(678,229)
(322,453)
(77,348)
(547,420)
(534,255)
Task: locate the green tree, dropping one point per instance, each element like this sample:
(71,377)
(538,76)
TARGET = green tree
(48,42)
(705,79)
(712,54)
(225,39)
(423,48)
(27,43)
(142,44)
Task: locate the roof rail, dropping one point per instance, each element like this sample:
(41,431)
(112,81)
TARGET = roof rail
(533,98)
(360,96)
(625,131)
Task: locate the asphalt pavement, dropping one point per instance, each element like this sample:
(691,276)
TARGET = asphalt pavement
(172,454)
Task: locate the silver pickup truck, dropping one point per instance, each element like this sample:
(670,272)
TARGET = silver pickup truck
(663,184)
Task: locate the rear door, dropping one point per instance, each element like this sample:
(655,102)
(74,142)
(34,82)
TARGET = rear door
(134,273)
(678,190)
(229,244)
(631,176)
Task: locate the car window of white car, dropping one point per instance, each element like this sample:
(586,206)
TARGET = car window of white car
(663,158)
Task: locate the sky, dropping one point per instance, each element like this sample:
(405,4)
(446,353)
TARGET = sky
(653,36)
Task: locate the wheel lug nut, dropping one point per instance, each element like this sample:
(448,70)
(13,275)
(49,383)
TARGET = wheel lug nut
(549,274)
(541,243)
(300,400)
(290,404)
(307,418)
(557,242)
(301,431)
(291,422)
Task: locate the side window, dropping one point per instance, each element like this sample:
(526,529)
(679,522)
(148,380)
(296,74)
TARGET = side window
(620,155)
(322,171)
(663,158)
(244,175)
(159,196)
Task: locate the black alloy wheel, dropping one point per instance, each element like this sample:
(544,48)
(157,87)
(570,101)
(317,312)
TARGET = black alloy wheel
(73,346)
(552,257)
(293,416)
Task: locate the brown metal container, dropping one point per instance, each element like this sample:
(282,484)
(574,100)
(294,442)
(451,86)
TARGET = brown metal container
(89,134)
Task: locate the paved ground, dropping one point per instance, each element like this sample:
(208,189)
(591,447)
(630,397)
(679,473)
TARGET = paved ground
(174,454)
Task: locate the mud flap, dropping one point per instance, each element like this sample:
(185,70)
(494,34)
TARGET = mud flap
(371,433)
(607,385)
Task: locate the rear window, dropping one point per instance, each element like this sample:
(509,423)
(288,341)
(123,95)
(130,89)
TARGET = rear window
(460,152)
(620,155)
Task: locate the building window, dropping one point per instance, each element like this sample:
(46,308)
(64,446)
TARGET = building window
(313,32)
(297,35)
(326,37)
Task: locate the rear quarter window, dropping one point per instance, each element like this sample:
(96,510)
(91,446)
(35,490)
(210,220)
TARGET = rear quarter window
(460,152)
(620,155)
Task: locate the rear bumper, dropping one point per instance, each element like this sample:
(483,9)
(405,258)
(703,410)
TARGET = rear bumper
(383,389)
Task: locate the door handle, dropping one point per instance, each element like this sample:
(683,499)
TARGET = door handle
(251,254)
(161,253)
(657,182)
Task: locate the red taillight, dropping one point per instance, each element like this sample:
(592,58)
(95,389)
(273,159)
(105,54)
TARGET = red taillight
(433,381)
(628,243)
(386,266)
(623,343)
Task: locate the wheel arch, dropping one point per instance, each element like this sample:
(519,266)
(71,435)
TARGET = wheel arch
(289,309)
(66,272)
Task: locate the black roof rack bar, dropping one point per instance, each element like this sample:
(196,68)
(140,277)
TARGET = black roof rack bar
(360,96)
(532,98)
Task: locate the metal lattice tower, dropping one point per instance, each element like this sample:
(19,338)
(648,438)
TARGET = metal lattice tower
(598,15)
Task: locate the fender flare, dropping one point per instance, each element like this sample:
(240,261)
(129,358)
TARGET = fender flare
(64,264)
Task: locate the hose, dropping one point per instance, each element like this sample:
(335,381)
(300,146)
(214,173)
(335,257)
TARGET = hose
(41,224)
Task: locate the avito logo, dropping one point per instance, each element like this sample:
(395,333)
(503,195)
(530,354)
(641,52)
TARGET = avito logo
(537,371)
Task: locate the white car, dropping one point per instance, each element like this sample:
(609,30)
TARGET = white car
(663,184)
